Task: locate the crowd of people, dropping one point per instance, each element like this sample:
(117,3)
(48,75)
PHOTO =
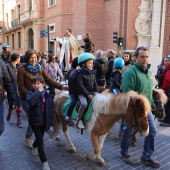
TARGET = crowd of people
(24,77)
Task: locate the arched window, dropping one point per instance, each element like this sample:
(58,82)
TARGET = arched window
(30,39)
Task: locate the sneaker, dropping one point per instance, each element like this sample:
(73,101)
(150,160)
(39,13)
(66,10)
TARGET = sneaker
(151,162)
(165,124)
(69,122)
(45,166)
(34,151)
(80,124)
(127,159)
(19,124)
(8,118)
(28,142)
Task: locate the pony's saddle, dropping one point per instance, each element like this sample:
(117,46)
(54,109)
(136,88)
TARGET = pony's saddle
(87,113)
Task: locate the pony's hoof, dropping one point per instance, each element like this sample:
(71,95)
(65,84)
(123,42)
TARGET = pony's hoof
(57,138)
(87,157)
(102,163)
(73,150)
(118,137)
(133,143)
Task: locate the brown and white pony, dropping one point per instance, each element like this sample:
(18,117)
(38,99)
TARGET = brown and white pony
(160,99)
(107,110)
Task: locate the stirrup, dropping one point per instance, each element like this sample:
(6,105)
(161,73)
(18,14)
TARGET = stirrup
(83,127)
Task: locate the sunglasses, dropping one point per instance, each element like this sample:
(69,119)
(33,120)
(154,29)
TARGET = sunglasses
(54,58)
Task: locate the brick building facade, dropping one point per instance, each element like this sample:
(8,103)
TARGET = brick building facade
(139,22)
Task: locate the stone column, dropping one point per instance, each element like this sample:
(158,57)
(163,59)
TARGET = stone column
(157,34)
(149,26)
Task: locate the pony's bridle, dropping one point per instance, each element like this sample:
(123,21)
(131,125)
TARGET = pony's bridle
(158,110)
(135,116)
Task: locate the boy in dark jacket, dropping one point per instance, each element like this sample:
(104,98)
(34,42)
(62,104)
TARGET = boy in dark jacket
(40,116)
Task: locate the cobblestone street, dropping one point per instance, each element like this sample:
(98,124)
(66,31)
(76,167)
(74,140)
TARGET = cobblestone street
(14,155)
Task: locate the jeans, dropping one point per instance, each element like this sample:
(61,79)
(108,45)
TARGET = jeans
(25,107)
(83,105)
(2,125)
(167,111)
(148,148)
(73,98)
(39,134)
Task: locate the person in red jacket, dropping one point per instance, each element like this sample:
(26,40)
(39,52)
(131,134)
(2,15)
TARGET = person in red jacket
(166,87)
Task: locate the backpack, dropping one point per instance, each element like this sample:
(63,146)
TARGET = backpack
(72,75)
(159,76)
(93,48)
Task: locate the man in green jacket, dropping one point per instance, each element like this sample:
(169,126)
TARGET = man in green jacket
(138,78)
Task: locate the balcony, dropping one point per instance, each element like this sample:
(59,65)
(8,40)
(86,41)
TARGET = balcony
(25,18)
(15,23)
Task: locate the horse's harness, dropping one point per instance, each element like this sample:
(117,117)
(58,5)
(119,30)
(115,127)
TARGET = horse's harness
(158,110)
(135,116)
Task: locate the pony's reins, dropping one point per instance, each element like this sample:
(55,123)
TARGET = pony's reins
(134,115)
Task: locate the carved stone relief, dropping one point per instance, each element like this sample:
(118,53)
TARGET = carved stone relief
(143,22)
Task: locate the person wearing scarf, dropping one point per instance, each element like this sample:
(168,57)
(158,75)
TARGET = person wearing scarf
(25,74)
(52,69)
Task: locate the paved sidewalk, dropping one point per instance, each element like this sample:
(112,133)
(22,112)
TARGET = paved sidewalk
(14,155)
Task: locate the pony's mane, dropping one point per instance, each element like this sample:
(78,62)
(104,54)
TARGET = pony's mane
(162,95)
(147,106)
(117,104)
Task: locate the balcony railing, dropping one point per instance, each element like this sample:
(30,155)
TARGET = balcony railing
(25,16)
(15,23)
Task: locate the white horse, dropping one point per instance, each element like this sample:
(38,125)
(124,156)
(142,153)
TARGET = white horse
(107,110)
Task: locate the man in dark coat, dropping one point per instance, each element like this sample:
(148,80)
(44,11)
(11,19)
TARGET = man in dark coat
(100,68)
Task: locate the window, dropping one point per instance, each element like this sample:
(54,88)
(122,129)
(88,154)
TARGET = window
(18,12)
(28,4)
(12,15)
(7,39)
(52,28)
(12,41)
(19,39)
(52,2)
(7,18)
